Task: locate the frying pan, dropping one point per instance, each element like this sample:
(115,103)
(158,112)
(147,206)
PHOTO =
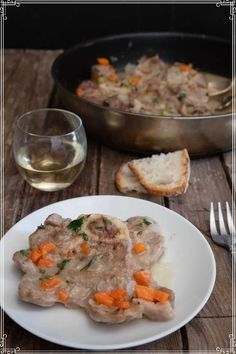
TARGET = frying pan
(144,133)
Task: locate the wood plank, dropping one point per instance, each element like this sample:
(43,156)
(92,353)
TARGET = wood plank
(209,333)
(228,165)
(35,93)
(12,61)
(222,289)
(19,337)
(25,90)
(171,342)
(208,183)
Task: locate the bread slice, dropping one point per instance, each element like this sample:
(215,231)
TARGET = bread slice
(126,181)
(164,174)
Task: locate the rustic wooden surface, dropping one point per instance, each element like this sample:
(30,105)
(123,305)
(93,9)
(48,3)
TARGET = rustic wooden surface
(28,85)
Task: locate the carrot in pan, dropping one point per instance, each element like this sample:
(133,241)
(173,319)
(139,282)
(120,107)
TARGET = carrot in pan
(103,61)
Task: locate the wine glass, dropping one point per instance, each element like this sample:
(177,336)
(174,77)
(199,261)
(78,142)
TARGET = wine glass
(50,148)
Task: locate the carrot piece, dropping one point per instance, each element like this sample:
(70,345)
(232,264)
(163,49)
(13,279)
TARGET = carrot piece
(134,80)
(47,247)
(103,61)
(112,78)
(122,304)
(185,68)
(103,298)
(118,294)
(160,296)
(35,255)
(85,248)
(63,296)
(139,247)
(143,277)
(45,262)
(144,292)
(50,283)
(79,91)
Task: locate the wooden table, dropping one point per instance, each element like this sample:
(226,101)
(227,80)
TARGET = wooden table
(28,85)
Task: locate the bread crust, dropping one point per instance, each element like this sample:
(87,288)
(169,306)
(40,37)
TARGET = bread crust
(162,190)
(119,180)
(124,185)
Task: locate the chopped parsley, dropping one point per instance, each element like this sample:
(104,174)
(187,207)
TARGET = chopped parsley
(146,222)
(139,224)
(90,262)
(41,227)
(140,232)
(85,236)
(24,253)
(108,222)
(75,225)
(181,96)
(62,265)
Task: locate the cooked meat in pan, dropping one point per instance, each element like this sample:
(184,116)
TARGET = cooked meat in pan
(99,263)
(151,86)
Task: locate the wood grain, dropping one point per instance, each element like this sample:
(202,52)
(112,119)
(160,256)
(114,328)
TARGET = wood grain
(20,198)
(28,85)
(209,333)
(19,337)
(12,60)
(208,183)
(228,164)
(170,342)
(223,285)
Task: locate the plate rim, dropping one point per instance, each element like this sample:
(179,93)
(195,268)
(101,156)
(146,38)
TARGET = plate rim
(133,343)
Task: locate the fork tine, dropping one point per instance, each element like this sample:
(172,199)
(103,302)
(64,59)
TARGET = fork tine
(213,228)
(221,221)
(229,219)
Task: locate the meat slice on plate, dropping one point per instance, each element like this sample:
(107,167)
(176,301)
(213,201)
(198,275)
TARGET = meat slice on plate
(147,231)
(96,262)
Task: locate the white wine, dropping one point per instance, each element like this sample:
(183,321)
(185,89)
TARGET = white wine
(50,167)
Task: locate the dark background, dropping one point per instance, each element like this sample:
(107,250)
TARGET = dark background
(61,26)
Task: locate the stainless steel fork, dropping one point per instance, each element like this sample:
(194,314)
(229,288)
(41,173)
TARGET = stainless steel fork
(226,237)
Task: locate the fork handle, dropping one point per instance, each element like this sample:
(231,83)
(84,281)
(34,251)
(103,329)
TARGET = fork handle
(233,254)
(234,257)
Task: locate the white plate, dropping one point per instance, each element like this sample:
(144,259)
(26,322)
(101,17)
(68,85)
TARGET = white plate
(188,252)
